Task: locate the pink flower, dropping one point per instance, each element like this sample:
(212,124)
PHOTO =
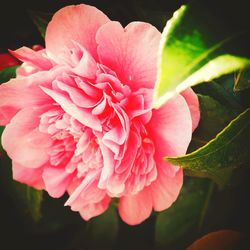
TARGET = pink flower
(80,120)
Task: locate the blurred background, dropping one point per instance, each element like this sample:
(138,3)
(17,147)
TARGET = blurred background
(17,28)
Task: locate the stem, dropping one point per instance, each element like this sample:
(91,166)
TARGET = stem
(206,204)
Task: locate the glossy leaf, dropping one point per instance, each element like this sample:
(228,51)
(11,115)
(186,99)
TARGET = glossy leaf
(242,80)
(222,91)
(7,73)
(185,215)
(193,50)
(214,118)
(216,160)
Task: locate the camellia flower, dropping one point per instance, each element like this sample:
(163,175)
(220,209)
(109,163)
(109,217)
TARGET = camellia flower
(79,117)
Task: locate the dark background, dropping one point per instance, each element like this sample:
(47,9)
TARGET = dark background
(16,30)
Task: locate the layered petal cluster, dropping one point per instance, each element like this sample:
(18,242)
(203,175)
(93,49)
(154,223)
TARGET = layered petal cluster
(79,117)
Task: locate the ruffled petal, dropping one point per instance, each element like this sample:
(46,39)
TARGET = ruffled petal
(86,198)
(82,115)
(130,52)
(25,92)
(108,165)
(77,23)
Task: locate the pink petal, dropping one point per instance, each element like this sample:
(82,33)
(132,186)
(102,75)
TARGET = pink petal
(56,181)
(82,115)
(116,182)
(171,131)
(77,23)
(108,165)
(82,187)
(87,66)
(87,198)
(193,104)
(130,52)
(94,209)
(27,146)
(29,176)
(25,92)
(171,127)
(166,189)
(37,58)
(135,208)
(140,103)
(77,95)
(118,134)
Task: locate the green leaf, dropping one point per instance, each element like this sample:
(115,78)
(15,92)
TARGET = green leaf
(31,200)
(174,225)
(194,50)
(214,118)
(222,91)
(217,159)
(41,20)
(242,80)
(7,73)
(27,200)
(102,230)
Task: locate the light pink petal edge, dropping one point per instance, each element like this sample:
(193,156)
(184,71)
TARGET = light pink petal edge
(193,104)
(28,176)
(77,23)
(23,142)
(135,209)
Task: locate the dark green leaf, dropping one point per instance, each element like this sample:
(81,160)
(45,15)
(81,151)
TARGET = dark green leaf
(222,91)
(31,200)
(220,156)
(26,199)
(7,73)
(102,230)
(242,80)
(214,117)
(41,20)
(184,216)
(195,49)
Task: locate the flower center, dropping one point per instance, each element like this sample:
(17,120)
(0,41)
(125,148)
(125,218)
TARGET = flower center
(75,147)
